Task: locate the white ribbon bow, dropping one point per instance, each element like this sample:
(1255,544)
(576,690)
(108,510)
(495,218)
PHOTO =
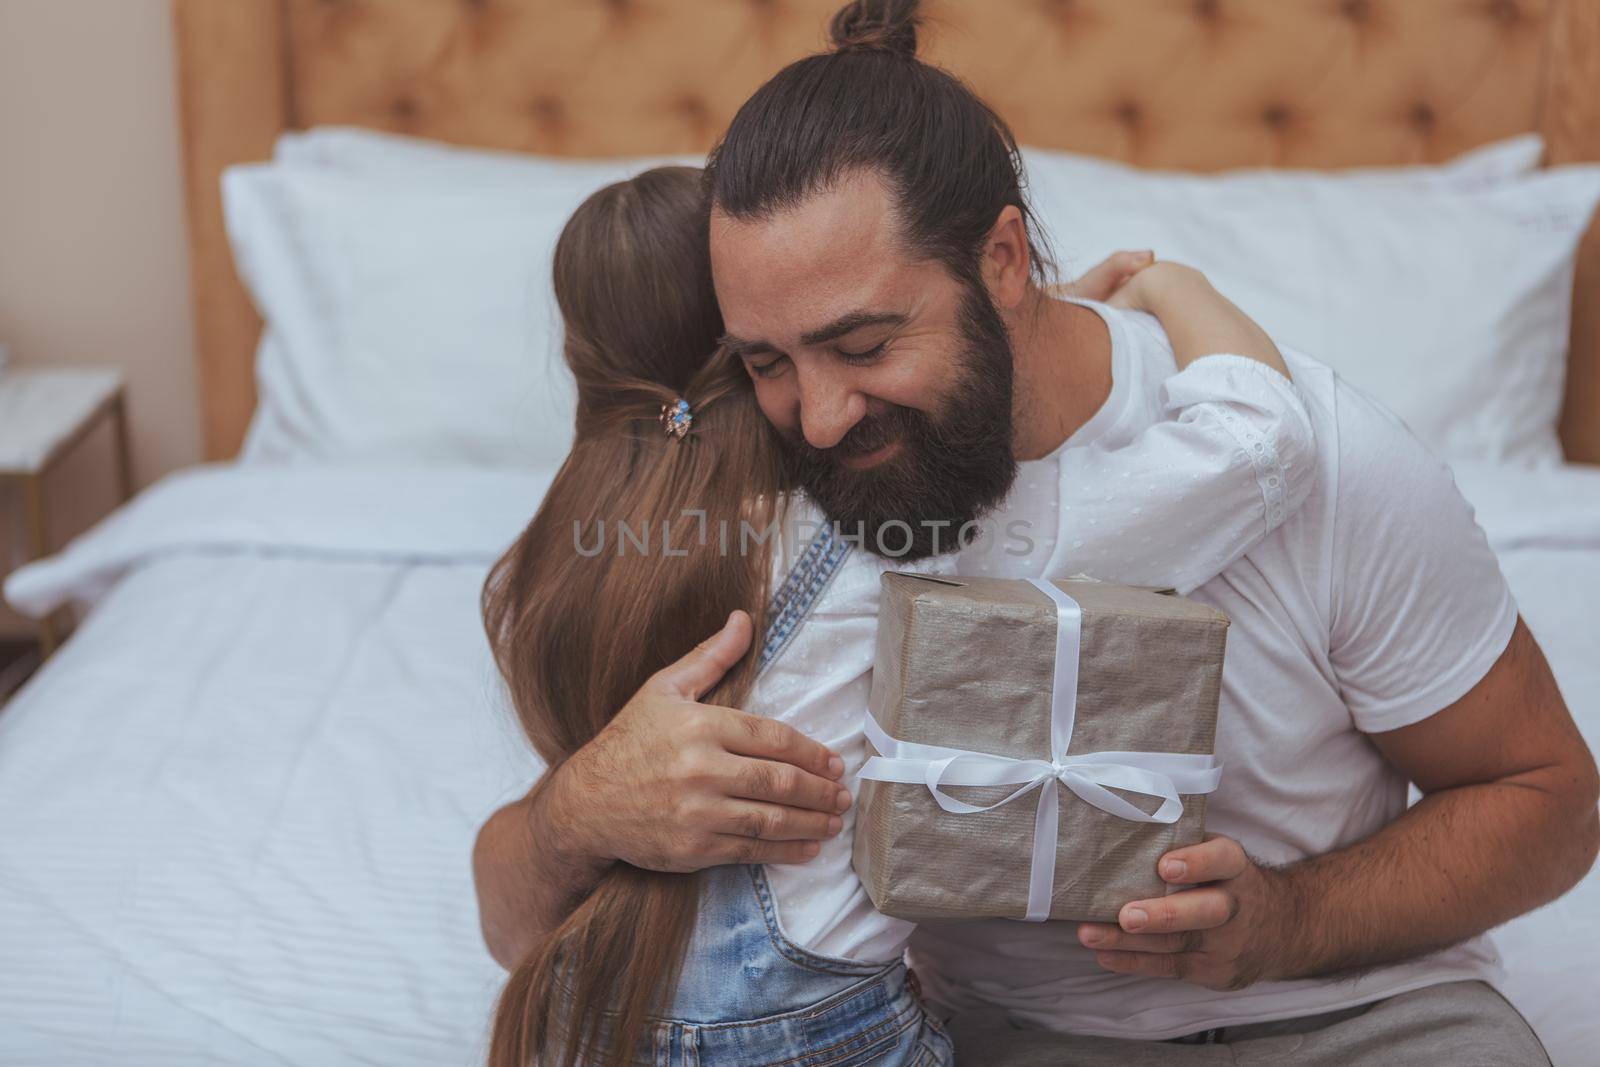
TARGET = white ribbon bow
(1088,775)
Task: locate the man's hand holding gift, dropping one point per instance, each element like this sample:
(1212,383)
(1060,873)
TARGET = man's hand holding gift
(1235,926)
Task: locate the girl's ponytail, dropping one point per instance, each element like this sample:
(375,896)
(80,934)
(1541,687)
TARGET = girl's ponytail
(576,633)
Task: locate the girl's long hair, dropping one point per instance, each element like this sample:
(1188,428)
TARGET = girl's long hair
(575,634)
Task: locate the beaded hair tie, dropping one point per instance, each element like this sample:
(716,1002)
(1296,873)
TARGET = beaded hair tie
(676,417)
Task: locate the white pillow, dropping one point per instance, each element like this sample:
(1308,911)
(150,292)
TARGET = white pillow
(1480,168)
(406,285)
(1451,305)
(406,290)
(392,156)
(357,150)
(403,323)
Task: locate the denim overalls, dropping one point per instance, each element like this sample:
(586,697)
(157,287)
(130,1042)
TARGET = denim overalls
(747,996)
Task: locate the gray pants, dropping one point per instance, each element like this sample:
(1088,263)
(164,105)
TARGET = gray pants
(1462,1024)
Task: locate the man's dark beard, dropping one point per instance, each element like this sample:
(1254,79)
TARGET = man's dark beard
(951,468)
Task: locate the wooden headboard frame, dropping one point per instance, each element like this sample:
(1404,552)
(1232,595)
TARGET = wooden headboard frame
(1200,84)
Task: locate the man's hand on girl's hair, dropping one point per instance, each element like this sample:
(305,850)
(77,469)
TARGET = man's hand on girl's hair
(675,785)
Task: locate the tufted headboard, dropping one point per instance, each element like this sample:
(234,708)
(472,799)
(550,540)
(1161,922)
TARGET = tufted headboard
(1200,84)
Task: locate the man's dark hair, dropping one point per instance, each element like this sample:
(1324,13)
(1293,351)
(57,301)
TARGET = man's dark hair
(950,162)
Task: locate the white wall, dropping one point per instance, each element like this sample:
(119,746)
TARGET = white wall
(93,261)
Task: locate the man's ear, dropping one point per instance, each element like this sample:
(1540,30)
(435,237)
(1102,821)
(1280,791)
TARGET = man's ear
(1006,260)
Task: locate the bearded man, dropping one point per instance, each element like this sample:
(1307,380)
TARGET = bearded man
(879,273)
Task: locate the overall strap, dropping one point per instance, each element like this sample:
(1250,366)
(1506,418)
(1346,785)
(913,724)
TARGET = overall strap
(793,601)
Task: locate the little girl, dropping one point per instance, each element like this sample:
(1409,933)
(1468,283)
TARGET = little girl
(791,964)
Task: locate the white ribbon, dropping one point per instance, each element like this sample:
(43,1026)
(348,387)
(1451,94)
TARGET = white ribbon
(1089,775)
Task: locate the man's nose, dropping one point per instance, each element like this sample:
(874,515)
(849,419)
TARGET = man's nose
(829,407)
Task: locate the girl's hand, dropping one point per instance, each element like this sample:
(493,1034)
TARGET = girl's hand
(1199,320)
(1162,289)
(1109,275)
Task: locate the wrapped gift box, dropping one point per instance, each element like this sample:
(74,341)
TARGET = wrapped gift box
(1087,710)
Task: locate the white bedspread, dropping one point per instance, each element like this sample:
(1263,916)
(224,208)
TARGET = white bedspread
(236,810)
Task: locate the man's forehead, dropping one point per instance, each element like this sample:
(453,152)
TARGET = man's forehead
(837,252)
(857,205)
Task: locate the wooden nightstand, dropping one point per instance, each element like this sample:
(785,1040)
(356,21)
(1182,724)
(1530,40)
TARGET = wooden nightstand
(43,414)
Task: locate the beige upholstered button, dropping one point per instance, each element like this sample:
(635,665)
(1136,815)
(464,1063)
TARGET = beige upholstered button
(547,109)
(1505,11)
(694,109)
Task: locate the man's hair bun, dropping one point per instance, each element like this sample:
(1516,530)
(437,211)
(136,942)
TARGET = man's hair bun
(877,26)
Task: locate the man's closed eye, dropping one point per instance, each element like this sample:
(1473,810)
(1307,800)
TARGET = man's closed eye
(863,357)
(770,369)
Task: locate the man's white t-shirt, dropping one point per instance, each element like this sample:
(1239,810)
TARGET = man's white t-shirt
(1375,605)
(1230,456)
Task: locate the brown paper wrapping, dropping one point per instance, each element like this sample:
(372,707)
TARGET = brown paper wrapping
(969,663)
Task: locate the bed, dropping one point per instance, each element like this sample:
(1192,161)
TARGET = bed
(236,809)
(239,805)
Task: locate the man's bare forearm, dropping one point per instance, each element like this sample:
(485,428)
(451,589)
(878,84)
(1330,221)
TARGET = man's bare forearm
(1458,863)
(670,784)
(528,876)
